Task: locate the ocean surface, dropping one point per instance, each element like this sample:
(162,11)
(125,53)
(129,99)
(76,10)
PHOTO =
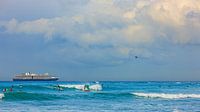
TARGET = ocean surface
(102,97)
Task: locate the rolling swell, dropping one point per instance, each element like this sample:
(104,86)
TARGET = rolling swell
(21,96)
(34,87)
(29,96)
(113,94)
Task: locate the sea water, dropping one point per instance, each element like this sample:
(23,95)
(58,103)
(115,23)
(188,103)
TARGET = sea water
(103,97)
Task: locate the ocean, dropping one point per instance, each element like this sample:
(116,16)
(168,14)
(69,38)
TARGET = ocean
(104,96)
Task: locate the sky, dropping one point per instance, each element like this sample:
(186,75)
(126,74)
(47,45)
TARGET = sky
(94,40)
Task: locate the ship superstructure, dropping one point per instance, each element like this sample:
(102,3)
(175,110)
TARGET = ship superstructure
(34,77)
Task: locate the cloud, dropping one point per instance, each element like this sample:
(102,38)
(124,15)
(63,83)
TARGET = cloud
(175,17)
(30,27)
(127,26)
(129,15)
(173,12)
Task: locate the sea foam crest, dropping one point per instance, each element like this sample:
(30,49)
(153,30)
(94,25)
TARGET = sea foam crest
(1,96)
(167,96)
(73,86)
(94,87)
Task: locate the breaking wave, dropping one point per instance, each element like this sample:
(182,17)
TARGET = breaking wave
(167,96)
(1,95)
(94,87)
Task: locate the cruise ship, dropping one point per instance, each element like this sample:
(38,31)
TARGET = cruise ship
(34,77)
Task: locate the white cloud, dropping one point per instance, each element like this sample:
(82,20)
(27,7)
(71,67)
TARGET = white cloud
(173,12)
(129,15)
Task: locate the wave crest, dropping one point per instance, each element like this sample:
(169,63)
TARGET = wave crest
(94,87)
(1,96)
(167,96)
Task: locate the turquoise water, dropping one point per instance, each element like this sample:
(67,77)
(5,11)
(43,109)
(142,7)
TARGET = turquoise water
(104,96)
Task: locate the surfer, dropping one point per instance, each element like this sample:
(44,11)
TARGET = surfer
(86,87)
(59,88)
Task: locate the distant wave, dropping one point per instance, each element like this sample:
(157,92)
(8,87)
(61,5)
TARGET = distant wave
(167,96)
(1,95)
(94,87)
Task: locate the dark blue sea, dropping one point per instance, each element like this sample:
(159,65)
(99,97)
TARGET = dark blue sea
(103,96)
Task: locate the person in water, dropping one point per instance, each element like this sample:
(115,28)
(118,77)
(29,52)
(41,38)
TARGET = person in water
(8,89)
(11,89)
(4,90)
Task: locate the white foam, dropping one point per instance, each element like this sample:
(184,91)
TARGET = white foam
(1,95)
(94,87)
(167,96)
(73,86)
